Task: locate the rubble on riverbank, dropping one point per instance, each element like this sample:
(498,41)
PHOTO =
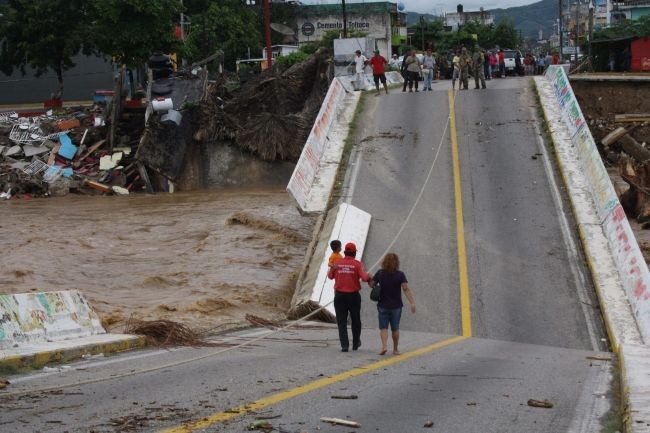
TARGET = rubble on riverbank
(618,114)
(106,148)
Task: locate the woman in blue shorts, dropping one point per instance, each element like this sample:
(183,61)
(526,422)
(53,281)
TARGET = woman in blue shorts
(392,282)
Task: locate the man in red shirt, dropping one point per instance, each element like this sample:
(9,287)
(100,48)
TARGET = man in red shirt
(502,64)
(377,62)
(556,58)
(346,274)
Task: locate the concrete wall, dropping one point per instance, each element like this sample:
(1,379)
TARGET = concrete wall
(50,316)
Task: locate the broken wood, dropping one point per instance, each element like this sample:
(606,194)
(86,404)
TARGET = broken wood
(600,358)
(634,149)
(428,424)
(345,397)
(4,383)
(544,404)
(636,117)
(92,149)
(338,421)
(613,136)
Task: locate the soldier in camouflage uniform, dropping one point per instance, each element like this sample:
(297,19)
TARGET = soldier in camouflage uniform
(477,65)
(464,64)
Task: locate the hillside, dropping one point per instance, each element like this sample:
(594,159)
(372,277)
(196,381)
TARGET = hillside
(528,18)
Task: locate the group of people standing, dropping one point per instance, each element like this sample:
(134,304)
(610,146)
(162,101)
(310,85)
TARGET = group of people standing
(348,273)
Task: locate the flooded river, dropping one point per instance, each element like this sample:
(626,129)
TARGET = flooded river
(202,258)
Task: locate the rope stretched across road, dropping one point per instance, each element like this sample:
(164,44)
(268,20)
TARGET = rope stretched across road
(263,336)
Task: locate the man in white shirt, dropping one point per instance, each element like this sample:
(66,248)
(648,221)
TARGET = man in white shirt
(359,65)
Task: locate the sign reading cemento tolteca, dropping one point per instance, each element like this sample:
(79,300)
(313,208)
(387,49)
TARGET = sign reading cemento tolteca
(314,28)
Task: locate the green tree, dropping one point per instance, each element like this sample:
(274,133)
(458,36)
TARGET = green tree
(43,35)
(228,25)
(506,35)
(625,28)
(130,30)
(429,31)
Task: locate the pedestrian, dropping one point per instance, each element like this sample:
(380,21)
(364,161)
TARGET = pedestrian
(336,255)
(464,63)
(502,63)
(477,64)
(377,62)
(413,69)
(346,274)
(359,65)
(404,69)
(541,63)
(494,63)
(486,65)
(548,60)
(429,66)
(456,73)
(518,68)
(556,58)
(389,308)
(394,62)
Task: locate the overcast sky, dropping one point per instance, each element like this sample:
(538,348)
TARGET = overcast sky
(437,6)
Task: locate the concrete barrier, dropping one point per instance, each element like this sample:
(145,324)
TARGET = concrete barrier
(392,77)
(629,261)
(304,176)
(346,223)
(44,317)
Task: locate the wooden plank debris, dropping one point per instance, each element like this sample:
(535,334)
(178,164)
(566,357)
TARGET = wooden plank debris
(338,421)
(636,117)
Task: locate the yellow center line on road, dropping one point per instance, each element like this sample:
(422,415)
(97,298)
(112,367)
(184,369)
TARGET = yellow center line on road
(466,313)
(466,321)
(311,386)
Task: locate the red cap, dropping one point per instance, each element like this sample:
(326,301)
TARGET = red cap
(351,247)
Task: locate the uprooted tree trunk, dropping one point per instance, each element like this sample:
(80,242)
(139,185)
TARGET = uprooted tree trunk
(271,115)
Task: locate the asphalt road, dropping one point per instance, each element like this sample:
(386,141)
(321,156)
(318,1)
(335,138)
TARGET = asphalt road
(534,326)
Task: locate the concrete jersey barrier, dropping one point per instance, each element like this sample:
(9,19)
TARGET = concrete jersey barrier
(346,223)
(304,175)
(28,318)
(629,261)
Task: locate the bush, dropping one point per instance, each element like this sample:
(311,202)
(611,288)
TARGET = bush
(292,59)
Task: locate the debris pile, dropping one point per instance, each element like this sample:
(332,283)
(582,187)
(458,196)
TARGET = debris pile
(271,115)
(619,119)
(121,145)
(54,152)
(167,333)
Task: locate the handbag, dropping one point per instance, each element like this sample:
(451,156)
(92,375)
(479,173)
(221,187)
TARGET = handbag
(375,293)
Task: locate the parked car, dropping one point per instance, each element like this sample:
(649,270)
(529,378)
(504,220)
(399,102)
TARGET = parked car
(510,62)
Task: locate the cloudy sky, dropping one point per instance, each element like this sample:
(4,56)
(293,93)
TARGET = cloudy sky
(437,6)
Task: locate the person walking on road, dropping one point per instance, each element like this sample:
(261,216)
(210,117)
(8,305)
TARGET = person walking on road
(389,308)
(456,73)
(404,70)
(429,65)
(494,63)
(478,60)
(464,62)
(377,62)
(346,274)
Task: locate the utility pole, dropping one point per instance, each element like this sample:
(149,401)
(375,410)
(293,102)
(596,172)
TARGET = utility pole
(345,20)
(560,26)
(591,28)
(577,30)
(267,31)
(422,30)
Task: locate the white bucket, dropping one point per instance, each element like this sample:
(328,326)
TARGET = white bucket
(162,104)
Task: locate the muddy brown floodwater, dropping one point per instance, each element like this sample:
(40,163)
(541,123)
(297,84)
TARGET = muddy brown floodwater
(205,259)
